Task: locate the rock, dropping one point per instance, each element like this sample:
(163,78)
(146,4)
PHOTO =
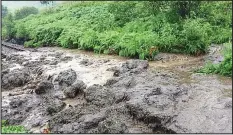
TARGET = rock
(111,81)
(66,78)
(86,62)
(16,103)
(131,64)
(32,63)
(121,97)
(3,55)
(99,95)
(74,89)
(43,87)
(66,58)
(55,107)
(15,78)
(53,62)
(112,126)
(92,121)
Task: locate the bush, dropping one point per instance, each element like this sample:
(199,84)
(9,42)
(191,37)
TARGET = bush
(9,129)
(225,67)
(130,29)
(195,36)
(8,27)
(47,36)
(24,12)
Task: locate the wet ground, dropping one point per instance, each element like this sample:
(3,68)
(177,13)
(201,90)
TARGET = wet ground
(73,91)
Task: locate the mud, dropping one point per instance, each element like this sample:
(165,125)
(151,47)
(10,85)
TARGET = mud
(69,91)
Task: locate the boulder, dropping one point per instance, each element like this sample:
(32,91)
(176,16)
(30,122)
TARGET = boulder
(66,78)
(74,89)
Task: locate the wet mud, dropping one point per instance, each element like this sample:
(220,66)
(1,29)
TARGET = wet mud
(70,91)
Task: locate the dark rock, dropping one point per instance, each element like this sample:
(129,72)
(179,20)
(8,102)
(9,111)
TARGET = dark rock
(66,78)
(55,107)
(3,56)
(66,58)
(112,126)
(131,64)
(99,95)
(32,63)
(43,87)
(15,78)
(74,89)
(111,81)
(16,103)
(86,62)
(53,62)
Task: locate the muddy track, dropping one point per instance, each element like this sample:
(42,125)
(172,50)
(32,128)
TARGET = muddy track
(13,46)
(69,91)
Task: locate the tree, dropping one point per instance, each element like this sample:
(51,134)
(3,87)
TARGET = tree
(4,11)
(24,12)
(45,2)
(9,25)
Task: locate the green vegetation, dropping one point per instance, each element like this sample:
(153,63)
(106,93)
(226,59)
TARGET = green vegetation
(130,29)
(7,129)
(225,67)
(24,12)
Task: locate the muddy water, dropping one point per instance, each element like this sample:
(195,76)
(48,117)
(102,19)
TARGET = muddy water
(206,94)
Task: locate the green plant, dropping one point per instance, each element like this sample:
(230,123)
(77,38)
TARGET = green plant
(24,12)
(225,67)
(195,36)
(8,129)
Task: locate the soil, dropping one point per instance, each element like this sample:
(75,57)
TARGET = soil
(72,91)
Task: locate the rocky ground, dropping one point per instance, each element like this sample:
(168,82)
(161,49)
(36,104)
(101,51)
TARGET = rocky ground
(72,92)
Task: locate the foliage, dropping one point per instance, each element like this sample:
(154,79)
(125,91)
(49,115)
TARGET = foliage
(24,12)
(4,11)
(195,35)
(130,29)
(9,129)
(8,27)
(225,67)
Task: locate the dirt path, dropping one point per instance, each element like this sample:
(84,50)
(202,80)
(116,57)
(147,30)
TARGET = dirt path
(80,92)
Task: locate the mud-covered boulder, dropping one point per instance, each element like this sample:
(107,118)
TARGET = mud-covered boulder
(55,107)
(43,87)
(33,63)
(86,62)
(99,95)
(66,78)
(15,78)
(112,126)
(15,58)
(66,58)
(16,103)
(18,108)
(111,81)
(74,89)
(131,64)
(55,62)
(3,55)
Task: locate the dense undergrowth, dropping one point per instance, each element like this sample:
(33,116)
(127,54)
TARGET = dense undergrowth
(130,29)
(10,129)
(225,67)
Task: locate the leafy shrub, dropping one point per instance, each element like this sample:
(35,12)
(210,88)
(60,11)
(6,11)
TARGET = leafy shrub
(130,29)
(195,36)
(24,12)
(47,36)
(21,32)
(9,129)
(225,67)
(9,27)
